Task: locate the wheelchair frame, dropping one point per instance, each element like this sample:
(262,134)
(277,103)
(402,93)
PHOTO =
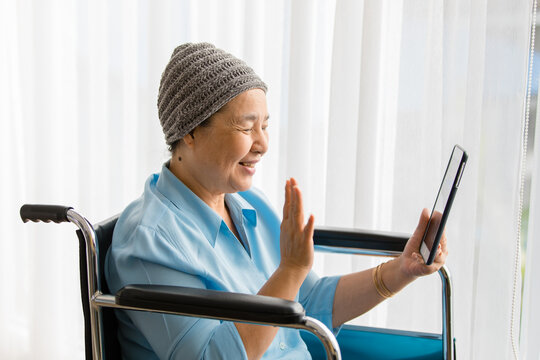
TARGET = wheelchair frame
(387,244)
(283,313)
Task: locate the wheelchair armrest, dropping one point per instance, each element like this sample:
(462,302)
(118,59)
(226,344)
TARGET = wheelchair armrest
(211,303)
(369,240)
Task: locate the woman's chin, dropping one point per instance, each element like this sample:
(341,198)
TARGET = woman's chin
(243,185)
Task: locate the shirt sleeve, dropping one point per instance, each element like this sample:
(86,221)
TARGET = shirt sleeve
(317,298)
(170,336)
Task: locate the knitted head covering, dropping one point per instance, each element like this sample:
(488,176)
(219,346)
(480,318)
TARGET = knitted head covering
(198,81)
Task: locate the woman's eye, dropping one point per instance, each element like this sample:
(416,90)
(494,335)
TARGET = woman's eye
(247,130)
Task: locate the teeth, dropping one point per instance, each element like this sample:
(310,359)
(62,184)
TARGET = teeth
(247,164)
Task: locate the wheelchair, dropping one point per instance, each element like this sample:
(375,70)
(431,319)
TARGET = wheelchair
(100,321)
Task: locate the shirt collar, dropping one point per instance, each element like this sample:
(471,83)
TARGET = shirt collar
(183,198)
(240,208)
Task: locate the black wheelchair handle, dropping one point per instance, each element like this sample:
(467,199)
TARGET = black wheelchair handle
(45,213)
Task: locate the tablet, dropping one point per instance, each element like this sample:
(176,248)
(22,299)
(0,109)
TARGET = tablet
(443,203)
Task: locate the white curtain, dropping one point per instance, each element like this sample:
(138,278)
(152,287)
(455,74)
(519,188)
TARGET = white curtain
(366,99)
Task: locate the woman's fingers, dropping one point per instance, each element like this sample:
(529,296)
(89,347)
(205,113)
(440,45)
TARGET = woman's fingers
(442,251)
(413,244)
(299,208)
(295,205)
(443,243)
(287,204)
(296,237)
(422,223)
(412,262)
(293,209)
(309,228)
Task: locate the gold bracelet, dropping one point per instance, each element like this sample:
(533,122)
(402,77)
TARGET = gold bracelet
(381,288)
(383,285)
(376,281)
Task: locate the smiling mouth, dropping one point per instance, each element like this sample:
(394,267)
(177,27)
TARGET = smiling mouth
(250,165)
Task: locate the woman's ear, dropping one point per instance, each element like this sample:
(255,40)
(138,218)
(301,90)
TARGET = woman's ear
(189,139)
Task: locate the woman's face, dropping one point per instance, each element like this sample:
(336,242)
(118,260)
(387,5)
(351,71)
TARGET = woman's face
(225,153)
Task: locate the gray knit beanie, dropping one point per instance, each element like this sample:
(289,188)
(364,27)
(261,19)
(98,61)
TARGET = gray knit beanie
(198,81)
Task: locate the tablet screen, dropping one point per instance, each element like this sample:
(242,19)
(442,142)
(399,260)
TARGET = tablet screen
(443,203)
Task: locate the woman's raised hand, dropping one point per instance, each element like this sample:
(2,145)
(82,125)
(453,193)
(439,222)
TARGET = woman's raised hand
(296,239)
(296,243)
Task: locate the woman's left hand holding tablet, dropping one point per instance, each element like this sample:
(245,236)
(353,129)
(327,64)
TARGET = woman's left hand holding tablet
(411,262)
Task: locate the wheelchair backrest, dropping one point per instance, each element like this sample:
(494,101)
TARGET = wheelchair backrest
(104,232)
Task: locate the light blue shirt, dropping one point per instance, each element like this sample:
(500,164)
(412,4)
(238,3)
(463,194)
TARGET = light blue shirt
(169,236)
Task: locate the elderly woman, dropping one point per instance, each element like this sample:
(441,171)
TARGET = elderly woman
(199,223)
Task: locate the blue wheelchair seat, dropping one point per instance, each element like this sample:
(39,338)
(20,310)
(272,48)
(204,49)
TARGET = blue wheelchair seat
(368,343)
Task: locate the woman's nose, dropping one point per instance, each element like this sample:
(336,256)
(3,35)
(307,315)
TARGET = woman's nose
(260,142)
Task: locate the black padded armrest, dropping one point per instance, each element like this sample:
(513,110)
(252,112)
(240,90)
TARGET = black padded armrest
(360,239)
(211,303)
